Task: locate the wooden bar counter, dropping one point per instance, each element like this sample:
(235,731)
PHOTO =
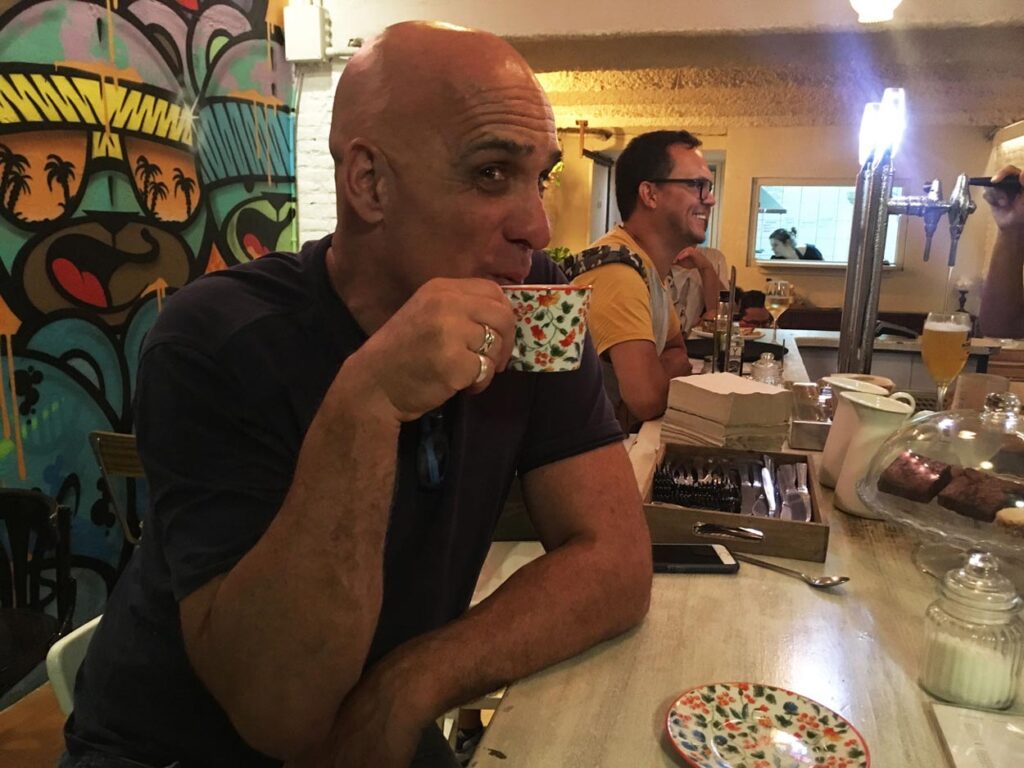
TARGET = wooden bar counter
(856,649)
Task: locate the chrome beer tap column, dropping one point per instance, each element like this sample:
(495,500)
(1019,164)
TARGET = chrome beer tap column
(881,132)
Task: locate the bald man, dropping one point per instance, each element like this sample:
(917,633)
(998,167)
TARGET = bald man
(329,438)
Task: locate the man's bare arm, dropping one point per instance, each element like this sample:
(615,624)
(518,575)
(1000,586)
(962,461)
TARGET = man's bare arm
(593,583)
(674,359)
(711,284)
(643,380)
(304,634)
(1002,295)
(282,638)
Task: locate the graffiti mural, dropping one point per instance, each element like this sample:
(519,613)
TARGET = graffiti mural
(142,144)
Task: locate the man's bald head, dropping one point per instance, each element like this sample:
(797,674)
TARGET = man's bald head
(442,140)
(414,74)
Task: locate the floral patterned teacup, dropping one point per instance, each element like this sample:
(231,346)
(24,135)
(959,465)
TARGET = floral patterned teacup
(551,326)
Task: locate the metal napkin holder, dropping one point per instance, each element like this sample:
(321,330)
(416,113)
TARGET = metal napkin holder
(811,416)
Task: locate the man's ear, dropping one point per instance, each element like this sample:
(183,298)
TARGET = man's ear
(647,194)
(362,178)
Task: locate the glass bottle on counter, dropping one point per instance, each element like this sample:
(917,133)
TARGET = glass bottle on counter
(722,323)
(974,637)
(734,363)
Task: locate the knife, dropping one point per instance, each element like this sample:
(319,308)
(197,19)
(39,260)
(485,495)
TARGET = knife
(750,489)
(786,478)
(768,483)
(801,509)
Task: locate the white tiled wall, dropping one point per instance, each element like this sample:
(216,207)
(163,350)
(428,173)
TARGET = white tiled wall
(314,168)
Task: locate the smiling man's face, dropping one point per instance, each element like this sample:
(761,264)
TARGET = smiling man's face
(687,216)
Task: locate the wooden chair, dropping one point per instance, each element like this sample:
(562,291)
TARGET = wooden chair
(38,536)
(118,457)
(1008,363)
(32,730)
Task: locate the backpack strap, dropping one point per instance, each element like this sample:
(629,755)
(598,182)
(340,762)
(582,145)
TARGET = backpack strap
(598,256)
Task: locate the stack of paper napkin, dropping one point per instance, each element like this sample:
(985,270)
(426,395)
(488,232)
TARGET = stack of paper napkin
(725,410)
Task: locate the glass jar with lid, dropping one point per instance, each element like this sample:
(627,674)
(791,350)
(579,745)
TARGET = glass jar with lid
(767,370)
(974,637)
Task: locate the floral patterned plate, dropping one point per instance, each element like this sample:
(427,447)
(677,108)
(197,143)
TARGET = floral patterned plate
(749,725)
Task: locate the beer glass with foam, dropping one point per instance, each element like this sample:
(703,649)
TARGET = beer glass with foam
(945,344)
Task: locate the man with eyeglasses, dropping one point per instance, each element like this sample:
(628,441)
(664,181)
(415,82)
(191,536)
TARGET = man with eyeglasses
(663,188)
(329,439)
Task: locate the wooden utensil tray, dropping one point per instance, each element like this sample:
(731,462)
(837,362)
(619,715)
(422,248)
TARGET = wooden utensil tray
(670,523)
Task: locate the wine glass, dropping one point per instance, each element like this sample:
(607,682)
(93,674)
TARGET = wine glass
(777,300)
(945,344)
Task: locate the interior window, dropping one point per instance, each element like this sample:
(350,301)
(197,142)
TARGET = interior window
(820,213)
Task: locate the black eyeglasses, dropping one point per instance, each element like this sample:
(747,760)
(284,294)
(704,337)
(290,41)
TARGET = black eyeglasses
(432,452)
(704,187)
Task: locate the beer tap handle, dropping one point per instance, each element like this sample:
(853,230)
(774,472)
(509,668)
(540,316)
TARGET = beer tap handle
(932,213)
(953,242)
(960,207)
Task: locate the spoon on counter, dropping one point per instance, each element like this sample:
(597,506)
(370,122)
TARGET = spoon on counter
(818,582)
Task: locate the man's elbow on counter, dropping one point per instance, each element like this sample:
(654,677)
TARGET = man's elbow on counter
(635,580)
(647,406)
(290,732)
(287,737)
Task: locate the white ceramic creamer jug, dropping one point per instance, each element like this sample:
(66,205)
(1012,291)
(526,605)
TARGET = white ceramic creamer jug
(874,418)
(844,423)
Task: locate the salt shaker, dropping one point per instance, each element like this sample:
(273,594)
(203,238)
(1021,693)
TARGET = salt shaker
(767,370)
(974,637)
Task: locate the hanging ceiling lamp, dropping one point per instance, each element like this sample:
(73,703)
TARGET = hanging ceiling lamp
(873,11)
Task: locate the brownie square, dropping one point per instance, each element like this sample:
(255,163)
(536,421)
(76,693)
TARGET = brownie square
(915,477)
(979,495)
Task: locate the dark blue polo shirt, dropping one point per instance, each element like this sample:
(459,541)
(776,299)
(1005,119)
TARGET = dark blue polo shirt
(229,381)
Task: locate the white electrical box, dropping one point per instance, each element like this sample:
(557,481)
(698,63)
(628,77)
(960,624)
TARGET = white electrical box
(307,31)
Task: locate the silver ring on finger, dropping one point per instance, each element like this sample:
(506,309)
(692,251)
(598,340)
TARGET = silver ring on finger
(487,343)
(485,368)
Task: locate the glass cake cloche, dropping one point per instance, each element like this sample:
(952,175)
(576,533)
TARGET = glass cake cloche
(956,476)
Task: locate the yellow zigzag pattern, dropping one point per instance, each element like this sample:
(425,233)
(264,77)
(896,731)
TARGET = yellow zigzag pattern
(55,98)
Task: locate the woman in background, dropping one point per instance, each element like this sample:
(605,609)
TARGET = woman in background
(784,247)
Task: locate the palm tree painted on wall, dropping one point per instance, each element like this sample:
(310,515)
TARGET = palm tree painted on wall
(148,173)
(19,186)
(14,176)
(187,187)
(159,192)
(62,172)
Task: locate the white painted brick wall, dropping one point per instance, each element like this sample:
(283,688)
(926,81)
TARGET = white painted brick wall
(314,168)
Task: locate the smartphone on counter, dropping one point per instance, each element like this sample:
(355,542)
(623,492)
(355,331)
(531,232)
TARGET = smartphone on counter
(693,558)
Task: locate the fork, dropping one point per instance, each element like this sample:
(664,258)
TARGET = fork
(758,504)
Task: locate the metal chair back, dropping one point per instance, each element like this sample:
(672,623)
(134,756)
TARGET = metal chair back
(118,457)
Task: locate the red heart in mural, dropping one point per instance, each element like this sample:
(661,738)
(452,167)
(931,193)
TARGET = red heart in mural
(84,286)
(254,247)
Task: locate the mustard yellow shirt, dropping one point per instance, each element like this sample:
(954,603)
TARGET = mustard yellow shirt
(620,302)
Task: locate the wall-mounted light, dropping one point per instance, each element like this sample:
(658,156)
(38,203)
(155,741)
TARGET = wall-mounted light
(874,11)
